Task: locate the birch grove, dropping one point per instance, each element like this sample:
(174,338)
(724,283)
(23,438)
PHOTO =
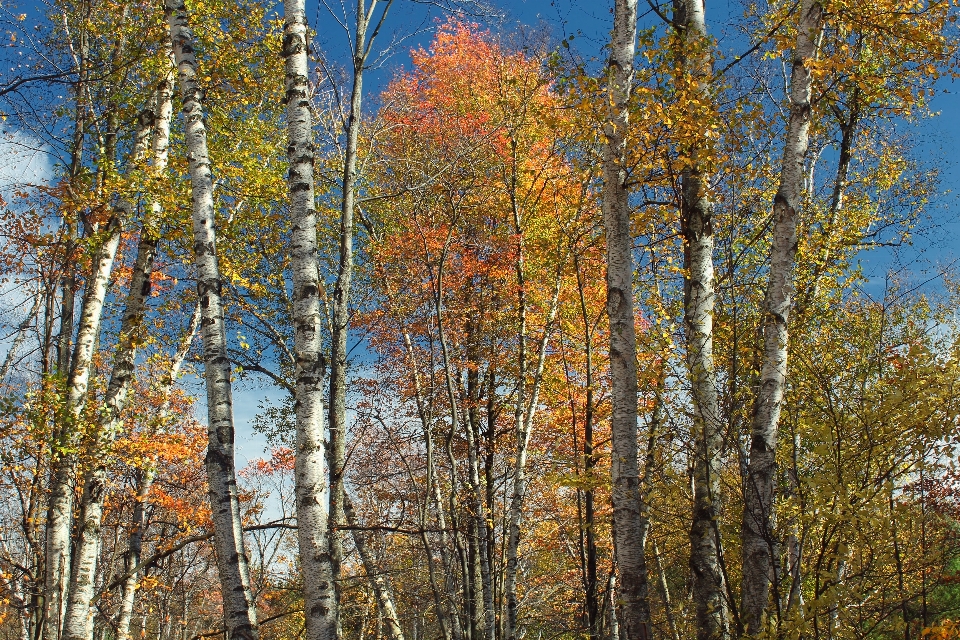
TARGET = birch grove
(630,321)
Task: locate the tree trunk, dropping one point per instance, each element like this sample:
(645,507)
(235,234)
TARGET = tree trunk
(378,581)
(69,278)
(760,548)
(624,466)
(363,40)
(78,621)
(21,335)
(665,594)
(161,142)
(524,426)
(479,581)
(699,296)
(588,534)
(451,631)
(66,441)
(310,473)
(132,557)
(240,617)
(612,604)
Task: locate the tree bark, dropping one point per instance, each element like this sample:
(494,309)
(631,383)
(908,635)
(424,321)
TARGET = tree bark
(240,617)
(78,623)
(760,548)
(160,143)
(21,335)
(363,40)
(133,556)
(524,426)
(699,296)
(378,581)
(64,453)
(310,468)
(79,618)
(624,466)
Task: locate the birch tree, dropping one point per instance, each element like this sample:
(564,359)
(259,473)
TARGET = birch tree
(760,548)
(310,471)
(240,619)
(628,530)
(695,71)
(78,622)
(66,442)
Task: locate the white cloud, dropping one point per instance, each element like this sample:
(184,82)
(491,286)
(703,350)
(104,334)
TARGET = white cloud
(24,160)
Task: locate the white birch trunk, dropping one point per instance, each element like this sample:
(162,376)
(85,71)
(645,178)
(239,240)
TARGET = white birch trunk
(378,581)
(612,604)
(699,295)
(65,460)
(239,612)
(78,623)
(628,530)
(310,472)
(760,547)
(524,427)
(21,335)
(132,557)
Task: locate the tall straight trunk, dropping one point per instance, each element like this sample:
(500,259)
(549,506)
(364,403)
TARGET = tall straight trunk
(523,426)
(65,458)
(449,384)
(78,623)
(132,557)
(239,613)
(162,117)
(63,462)
(378,580)
(624,466)
(665,594)
(589,464)
(433,495)
(699,296)
(848,132)
(31,319)
(69,278)
(363,39)
(479,581)
(341,311)
(760,548)
(310,472)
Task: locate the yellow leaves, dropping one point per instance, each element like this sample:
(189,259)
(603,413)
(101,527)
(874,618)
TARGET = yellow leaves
(944,630)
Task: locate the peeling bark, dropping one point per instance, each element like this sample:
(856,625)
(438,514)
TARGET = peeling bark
(624,465)
(240,617)
(310,467)
(696,211)
(760,546)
